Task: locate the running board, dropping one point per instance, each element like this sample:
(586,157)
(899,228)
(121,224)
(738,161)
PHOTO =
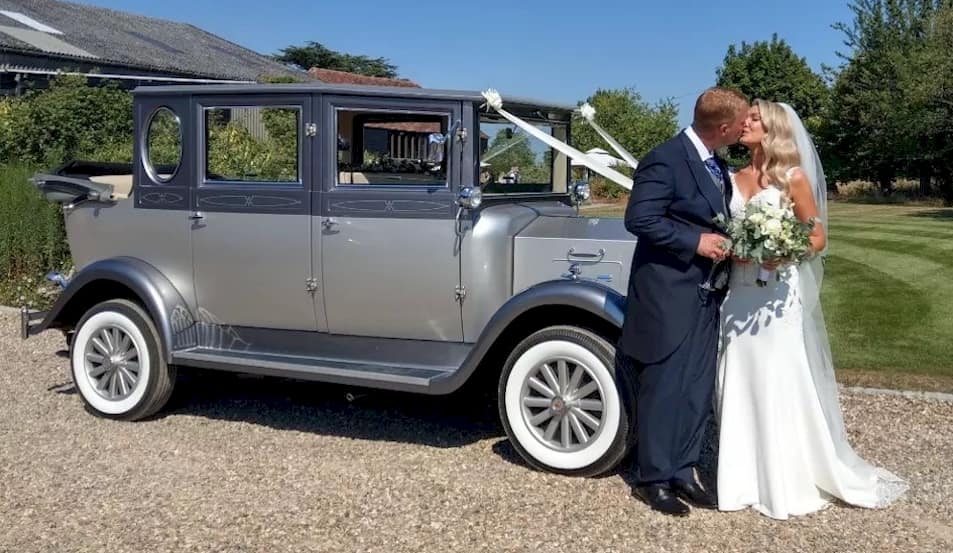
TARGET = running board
(388,377)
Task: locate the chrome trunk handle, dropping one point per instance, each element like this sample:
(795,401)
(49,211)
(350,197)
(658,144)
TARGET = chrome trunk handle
(586,255)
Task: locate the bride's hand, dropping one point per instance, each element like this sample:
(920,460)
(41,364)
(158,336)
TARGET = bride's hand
(773,263)
(742,260)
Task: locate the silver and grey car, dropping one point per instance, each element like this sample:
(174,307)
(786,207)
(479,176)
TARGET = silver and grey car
(394,238)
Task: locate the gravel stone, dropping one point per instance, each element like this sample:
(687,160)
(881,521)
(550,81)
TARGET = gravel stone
(247,464)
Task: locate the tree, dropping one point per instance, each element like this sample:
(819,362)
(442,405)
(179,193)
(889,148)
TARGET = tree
(928,79)
(633,122)
(517,153)
(772,71)
(876,119)
(314,54)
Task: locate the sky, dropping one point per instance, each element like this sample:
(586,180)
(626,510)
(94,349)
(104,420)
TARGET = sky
(554,50)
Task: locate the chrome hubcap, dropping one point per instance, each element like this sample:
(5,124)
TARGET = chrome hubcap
(112,363)
(562,403)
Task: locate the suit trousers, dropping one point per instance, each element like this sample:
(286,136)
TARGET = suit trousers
(674,401)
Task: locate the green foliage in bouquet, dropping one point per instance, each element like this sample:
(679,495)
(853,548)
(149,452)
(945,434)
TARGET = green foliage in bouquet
(768,232)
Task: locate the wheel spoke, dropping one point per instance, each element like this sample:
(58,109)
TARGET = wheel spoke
(107,338)
(131,378)
(121,377)
(95,358)
(114,383)
(125,344)
(578,429)
(550,377)
(537,385)
(100,346)
(589,404)
(551,429)
(563,372)
(574,381)
(541,417)
(564,426)
(98,371)
(586,418)
(116,334)
(533,401)
(131,367)
(586,390)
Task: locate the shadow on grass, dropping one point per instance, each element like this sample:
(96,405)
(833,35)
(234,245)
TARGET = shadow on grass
(944,214)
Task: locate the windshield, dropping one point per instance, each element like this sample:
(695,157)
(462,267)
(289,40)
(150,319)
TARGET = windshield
(513,162)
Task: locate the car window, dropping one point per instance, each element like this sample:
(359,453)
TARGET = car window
(514,162)
(388,148)
(252,144)
(163,145)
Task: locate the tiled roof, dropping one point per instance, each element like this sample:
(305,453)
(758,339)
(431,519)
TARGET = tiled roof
(332,76)
(406,126)
(99,35)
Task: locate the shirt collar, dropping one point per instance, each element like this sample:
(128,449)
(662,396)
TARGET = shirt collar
(703,152)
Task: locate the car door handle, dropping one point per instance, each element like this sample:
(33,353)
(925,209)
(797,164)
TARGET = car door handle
(329,223)
(196,216)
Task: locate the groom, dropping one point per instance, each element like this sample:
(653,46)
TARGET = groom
(669,343)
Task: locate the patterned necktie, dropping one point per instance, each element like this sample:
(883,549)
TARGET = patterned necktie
(716,172)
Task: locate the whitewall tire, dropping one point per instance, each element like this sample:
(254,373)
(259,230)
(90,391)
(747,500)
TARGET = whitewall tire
(560,403)
(116,362)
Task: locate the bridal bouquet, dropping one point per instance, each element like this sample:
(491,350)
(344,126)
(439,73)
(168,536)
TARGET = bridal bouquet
(767,232)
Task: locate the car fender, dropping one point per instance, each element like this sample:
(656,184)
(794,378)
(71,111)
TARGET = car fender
(592,297)
(168,310)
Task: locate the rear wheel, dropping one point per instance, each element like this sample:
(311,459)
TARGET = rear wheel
(560,403)
(116,362)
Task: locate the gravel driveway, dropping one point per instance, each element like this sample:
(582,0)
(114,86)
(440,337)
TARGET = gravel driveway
(250,464)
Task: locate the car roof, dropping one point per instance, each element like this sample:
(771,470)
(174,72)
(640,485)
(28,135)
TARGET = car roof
(347,89)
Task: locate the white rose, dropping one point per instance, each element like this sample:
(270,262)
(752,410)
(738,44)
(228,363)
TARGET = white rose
(756,219)
(772,227)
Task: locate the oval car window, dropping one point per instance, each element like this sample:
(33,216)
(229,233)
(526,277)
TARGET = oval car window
(163,145)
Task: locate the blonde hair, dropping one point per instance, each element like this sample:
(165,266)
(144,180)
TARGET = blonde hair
(780,148)
(717,106)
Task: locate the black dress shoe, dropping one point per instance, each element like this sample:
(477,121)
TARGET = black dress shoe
(662,499)
(695,494)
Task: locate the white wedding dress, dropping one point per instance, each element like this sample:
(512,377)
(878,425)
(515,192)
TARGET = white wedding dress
(782,449)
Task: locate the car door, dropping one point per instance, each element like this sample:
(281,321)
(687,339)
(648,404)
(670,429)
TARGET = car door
(390,264)
(251,228)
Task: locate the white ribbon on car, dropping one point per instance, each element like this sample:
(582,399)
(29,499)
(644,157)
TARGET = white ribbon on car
(495,101)
(589,114)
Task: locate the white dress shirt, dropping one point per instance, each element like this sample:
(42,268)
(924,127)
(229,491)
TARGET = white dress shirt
(703,152)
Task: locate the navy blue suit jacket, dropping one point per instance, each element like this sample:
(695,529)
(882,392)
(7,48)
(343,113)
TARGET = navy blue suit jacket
(673,201)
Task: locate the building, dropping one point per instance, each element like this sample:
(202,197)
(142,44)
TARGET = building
(42,38)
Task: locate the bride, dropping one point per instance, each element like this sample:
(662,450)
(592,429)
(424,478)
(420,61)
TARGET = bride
(783,449)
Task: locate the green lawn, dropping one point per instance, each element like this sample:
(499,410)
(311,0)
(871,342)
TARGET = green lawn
(888,293)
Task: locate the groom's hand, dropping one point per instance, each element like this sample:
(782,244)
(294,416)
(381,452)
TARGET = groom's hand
(712,246)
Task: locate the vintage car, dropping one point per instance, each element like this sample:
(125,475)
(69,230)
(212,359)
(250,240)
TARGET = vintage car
(394,238)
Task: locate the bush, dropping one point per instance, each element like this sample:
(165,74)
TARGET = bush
(69,120)
(603,189)
(32,240)
(38,132)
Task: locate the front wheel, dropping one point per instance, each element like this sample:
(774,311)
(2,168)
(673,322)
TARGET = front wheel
(561,405)
(116,362)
